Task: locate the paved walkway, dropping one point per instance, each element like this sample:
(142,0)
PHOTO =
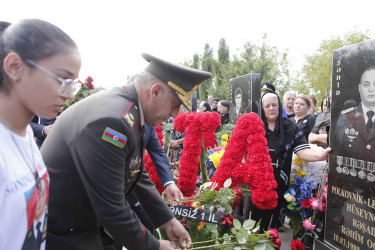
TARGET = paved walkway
(286,238)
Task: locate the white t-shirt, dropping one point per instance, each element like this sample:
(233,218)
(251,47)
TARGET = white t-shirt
(23,209)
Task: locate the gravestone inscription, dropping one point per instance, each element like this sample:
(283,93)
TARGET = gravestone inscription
(350,212)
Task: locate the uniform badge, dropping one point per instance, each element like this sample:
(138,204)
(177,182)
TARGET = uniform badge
(130,119)
(134,166)
(304,121)
(114,137)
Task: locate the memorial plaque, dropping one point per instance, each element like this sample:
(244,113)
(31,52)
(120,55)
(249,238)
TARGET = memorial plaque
(205,215)
(245,95)
(350,212)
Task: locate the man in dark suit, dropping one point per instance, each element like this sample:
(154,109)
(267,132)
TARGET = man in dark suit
(94,157)
(41,128)
(355,130)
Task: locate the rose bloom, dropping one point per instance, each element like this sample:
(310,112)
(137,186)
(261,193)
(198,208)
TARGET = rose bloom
(308,224)
(314,203)
(306,203)
(273,233)
(297,245)
(288,197)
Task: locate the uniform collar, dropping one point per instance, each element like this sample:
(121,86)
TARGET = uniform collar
(141,113)
(365,110)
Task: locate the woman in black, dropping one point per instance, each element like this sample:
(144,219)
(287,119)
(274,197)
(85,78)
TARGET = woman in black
(283,138)
(223,108)
(304,120)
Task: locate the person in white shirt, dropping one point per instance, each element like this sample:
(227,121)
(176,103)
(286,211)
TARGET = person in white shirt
(38,63)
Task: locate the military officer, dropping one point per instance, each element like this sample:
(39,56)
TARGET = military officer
(94,156)
(354,131)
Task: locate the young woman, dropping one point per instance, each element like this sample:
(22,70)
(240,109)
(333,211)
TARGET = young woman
(304,120)
(38,65)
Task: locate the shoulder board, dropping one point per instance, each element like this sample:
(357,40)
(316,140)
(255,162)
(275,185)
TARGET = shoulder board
(348,110)
(131,115)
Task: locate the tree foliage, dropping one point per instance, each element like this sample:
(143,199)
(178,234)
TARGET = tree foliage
(264,59)
(315,76)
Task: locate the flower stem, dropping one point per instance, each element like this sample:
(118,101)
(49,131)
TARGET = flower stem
(202,159)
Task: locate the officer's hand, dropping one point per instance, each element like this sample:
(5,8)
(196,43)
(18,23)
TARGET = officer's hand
(47,129)
(165,244)
(177,234)
(173,192)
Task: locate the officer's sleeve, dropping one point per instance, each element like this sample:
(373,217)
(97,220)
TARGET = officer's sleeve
(159,158)
(299,141)
(150,200)
(101,166)
(37,129)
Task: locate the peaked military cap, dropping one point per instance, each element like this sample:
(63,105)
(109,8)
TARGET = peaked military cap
(268,87)
(183,80)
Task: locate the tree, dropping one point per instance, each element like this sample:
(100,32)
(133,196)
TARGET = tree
(315,76)
(207,65)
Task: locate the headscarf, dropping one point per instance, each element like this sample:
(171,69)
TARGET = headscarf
(284,129)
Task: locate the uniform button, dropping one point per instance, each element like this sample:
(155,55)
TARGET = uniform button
(368,146)
(71,230)
(350,145)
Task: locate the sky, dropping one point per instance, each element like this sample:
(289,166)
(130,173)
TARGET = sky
(112,34)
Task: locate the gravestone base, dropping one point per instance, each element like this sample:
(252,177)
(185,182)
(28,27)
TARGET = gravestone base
(320,244)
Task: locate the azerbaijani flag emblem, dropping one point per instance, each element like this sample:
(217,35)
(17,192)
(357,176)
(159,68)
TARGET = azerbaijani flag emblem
(114,137)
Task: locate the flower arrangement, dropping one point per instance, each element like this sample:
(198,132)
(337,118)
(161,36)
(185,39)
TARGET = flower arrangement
(231,233)
(86,90)
(149,165)
(195,125)
(303,207)
(256,172)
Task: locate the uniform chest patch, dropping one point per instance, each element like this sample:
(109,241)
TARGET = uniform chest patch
(114,137)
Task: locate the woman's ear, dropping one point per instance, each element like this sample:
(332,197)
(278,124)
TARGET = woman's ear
(13,65)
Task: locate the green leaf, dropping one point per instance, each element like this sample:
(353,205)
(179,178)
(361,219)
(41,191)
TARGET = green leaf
(227,183)
(269,246)
(233,230)
(254,238)
(261,246)
(249,224)
(206,185)
(236,223)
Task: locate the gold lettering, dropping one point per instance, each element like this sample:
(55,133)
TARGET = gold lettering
(352,234)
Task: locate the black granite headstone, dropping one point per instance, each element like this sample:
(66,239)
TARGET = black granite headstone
(350,214)
(193,101)
(245,95)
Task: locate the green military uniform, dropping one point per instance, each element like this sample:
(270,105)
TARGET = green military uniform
(95,145)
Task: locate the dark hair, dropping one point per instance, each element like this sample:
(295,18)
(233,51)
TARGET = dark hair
(3,26)
(225,103)
(372,67)
(216,100)
(238,91)
(207,107)
(32,39)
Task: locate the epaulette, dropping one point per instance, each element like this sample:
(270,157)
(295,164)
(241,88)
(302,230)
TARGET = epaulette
(348,110)
(131,115)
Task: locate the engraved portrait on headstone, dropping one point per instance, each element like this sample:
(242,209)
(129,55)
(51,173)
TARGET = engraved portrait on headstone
(350,215)
(245,95)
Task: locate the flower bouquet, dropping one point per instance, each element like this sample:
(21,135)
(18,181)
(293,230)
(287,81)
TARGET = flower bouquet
(86,90)
(306,210)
